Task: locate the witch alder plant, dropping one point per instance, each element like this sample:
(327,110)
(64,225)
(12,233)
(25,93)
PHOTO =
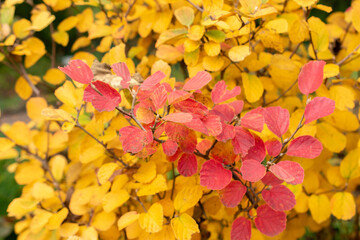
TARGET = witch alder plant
(206,140)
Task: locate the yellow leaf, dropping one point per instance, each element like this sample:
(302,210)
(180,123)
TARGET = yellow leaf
(84,56)
(212,48)
(324,8)
(239,53)
(89,234)
(196,32)
(283,71)
(343,97)
(163,20)
(146,23)
(57,218)
(106,171)
(331,70)
(54,76)
(343,120)
(41,191)
(105,44)
(350,165)
(23,89)
(191,45)
(117,54)
(252,86)
(99,30)
(69,95)
(21,206)
(319,207)
(21,28)
(213,63)
(343,205)
(85,20)
(184,226)
(34,107)
(146,173)
(212,5)
(57,166)
(355,13)
(157,185)
(187,198)
(185,15)
(41,20)
(191,58)
(319,34)
(302,203)
(113,200)
(20,133)
(331,138)
(152,221)
(68,23)
(68,229)
(103,220)
(279,25)
(133,230)
(39,221)
(56,114)
(80,43)
(61,38)
(28,172)
(306,3)
(5,144)
(334,177)
(299,31)
(61,5)
(127,219)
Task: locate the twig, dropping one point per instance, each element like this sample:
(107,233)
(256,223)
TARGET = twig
(282,94)
(348,56)
(53,47)
(104,11)
(311,40)
(195,6)
(294,51)
(173,183)
(129,9)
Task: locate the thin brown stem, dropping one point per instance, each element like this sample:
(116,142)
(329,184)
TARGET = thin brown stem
(348,56)
(195,6)
(282,94)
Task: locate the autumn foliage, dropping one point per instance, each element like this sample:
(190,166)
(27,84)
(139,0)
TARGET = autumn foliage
(203,119)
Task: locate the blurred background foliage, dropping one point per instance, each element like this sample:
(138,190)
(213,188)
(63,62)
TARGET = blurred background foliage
(13,108)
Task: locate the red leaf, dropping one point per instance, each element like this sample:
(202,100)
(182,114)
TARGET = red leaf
(271,179)
(224,111)
(122,70)
(220,93)
(192,106)
(311,76)
(253,120)
(290,172)
(187,165)
(197,125)
(317,108)
(178,117)
(279,198)
(159,97)
(228,132)
(170,147)
(212,124)
(241,229)
(176,132)
(214,176)
(204,145)
(188,145)
(178,96)
(232,194)
(133,139)
(305,147)
(273,147)
(269,221)
(256,152)
(108,98)
(78,71)
(237,105)
(152,80)
(252,170)
(200,80)
(277,120)
(242,141)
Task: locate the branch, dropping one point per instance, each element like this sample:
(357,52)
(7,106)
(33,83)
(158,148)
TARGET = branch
(282,94)
(348,56)
(195,6)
